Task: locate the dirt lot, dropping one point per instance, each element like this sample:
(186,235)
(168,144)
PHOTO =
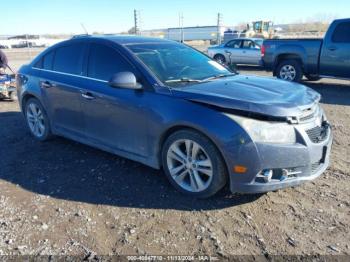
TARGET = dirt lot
(61,197)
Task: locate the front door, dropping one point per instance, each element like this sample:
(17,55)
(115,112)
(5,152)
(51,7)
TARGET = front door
(114,117)
(335,56)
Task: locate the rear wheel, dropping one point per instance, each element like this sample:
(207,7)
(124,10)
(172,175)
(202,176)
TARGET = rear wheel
(220,59)
(193,164)
(290,70)
(37,120)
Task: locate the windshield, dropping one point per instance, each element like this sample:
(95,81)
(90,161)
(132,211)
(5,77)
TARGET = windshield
(175,64)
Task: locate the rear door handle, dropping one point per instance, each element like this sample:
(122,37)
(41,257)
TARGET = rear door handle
(46,84)
(332,48)
(88,96)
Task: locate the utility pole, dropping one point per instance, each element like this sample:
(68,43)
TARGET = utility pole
(181,25)
(136,22)
(218,33)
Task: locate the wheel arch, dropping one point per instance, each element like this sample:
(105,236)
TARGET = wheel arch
(171,130)
(219,54)
(288,56)
(24,100)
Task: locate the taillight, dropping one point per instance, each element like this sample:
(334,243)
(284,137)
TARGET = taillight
(263,49)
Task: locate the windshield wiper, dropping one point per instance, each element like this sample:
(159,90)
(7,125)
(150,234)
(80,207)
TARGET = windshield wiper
(217,76)
(183,80)
(189,80)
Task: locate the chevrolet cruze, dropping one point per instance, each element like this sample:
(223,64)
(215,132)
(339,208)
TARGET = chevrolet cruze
(169,106)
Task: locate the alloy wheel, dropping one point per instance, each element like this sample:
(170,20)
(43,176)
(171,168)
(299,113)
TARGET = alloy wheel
(35,119)
(288,73)
(189,165)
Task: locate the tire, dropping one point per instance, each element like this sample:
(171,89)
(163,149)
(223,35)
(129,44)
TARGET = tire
(289,70)
(13,96)
(37,120)
(200,177)
(312,77)
(220,59)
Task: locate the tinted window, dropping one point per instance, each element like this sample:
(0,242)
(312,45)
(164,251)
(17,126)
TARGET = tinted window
(39,64)
(234,44)
(104,62)
(249,44)
(47,61)
(68,59)
(342,33)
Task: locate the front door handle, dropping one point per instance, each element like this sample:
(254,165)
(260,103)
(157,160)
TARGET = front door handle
(332,48)
(88,96)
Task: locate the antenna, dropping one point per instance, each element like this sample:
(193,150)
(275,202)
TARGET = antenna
(83,26)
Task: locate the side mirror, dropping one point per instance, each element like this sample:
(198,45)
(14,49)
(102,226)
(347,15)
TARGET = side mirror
(125,80)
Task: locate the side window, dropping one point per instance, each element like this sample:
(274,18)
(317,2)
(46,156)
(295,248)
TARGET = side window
(68,59)
(39,64)
(248,44)
(341,33)
(47,61)
(104,62)
(234,44)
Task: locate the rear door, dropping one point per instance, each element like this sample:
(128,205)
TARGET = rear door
(60,84)
(233,51)
(251,53)
(335,55)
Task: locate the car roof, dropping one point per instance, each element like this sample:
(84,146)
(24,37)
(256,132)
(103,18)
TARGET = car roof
(125,39)
(247,38)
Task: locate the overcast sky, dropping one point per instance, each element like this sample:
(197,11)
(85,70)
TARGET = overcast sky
(111,16)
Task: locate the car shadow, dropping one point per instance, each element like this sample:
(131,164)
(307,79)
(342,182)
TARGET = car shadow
(71,171)
(332,93)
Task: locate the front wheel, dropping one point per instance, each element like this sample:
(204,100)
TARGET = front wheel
(290,70)
(193,164)
(220,59)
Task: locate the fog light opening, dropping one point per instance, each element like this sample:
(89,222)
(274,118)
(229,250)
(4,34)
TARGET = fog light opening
(267,175)
(284,175)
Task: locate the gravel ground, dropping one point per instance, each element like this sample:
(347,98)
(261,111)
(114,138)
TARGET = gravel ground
(65,198)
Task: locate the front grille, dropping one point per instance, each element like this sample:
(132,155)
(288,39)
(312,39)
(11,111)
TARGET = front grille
(318,133)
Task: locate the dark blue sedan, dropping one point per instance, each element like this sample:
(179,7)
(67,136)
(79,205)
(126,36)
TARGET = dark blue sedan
(169,106)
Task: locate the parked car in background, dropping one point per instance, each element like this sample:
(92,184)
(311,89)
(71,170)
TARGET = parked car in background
(290,59)
(3,46)
(169,106)
(23,44)
(245,51)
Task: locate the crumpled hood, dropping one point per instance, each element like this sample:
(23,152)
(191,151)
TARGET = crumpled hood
(252,94)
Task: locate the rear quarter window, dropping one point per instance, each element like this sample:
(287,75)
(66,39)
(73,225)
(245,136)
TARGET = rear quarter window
(47,61)
(341,33)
